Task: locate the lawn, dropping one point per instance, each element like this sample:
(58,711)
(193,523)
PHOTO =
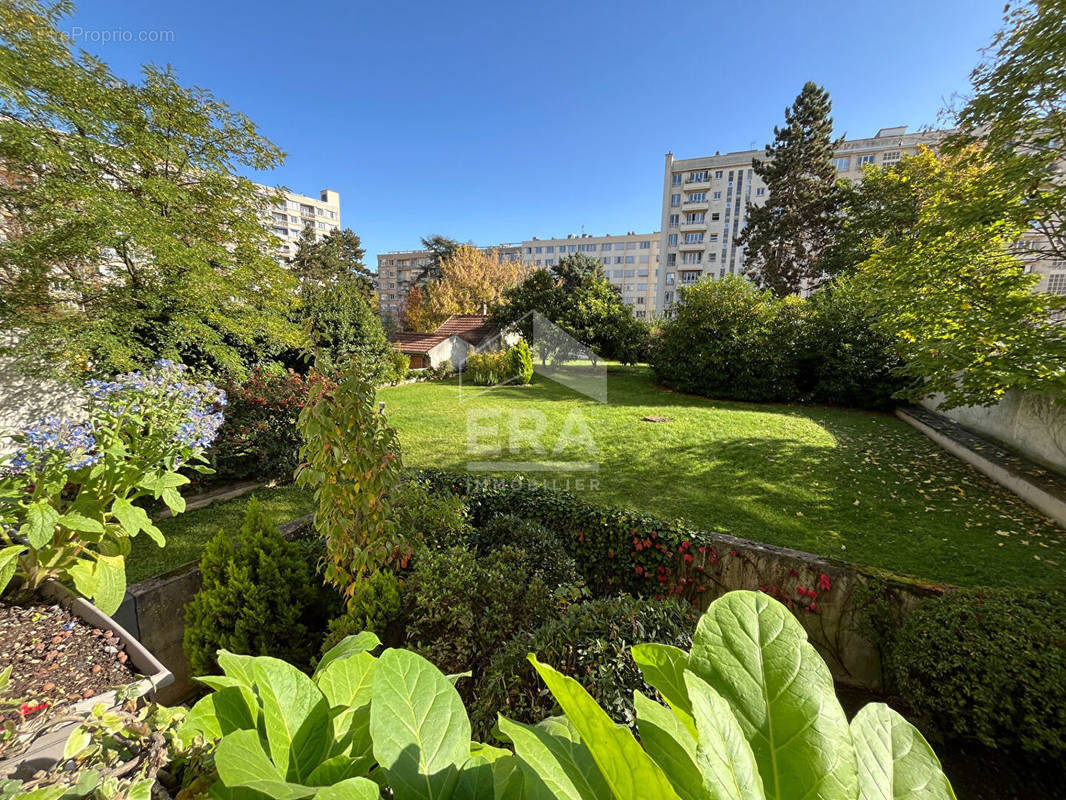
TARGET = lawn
(187,533)
(855,485)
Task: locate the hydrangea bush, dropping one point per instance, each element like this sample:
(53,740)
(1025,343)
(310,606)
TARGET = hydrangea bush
(68,496)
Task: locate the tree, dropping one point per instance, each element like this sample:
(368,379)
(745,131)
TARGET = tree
(439,247)
(785,237)
(470,280)
(338,254)
(1018,114)
(937,241)
(132,238)
(342,324)
(583,304)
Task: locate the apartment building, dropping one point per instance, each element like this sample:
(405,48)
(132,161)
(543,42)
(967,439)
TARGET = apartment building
(294,212)
(705,203)
(631,262)
(399,269)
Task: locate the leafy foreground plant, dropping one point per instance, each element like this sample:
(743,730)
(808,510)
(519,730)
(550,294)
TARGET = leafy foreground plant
(751,716)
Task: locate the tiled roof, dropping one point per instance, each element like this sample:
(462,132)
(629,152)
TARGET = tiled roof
(416,342)
(474,328)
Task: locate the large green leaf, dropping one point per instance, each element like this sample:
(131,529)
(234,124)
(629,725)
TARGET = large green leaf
(233,708)
(350,645)
(663,667)
(40,525)
(555,764)
(478,776)
(78,522)
(295,718)
(242,762)
(351,789)
(9,559)
(629,772)
(334,770)
(754,653)
(895,760)
(346,682)
(237,666)
(667,740)
(419,726)
(133,519)
(723,754)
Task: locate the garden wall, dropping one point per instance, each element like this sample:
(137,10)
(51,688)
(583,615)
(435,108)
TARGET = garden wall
(1029,423)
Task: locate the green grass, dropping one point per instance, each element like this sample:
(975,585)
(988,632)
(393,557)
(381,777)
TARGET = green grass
(187,533)
(855,485)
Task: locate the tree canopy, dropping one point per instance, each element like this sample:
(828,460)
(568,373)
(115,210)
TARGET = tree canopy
(131,235)
(785,237)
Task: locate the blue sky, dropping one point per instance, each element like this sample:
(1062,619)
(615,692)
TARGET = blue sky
(501,121)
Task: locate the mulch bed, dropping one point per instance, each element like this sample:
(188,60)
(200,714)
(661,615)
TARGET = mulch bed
(56,659)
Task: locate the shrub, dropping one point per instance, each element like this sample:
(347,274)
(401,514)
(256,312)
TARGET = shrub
(485,369)
(591,642)
(728,339)
(988,665)
(437,518)
(462,608)
(376,605)
(399,365)
(259,439)
(544,552)
(615,549)
(520,362)
(443,370)
(259,597)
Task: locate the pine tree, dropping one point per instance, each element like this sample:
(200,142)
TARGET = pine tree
(785,238)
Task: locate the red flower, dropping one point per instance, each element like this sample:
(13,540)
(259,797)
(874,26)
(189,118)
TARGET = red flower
(581,536)
(812,607)
(610,554)
(823,582)
(27,708)
(688,558)
(638,569)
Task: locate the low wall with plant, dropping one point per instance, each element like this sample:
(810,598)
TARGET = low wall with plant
(619,550)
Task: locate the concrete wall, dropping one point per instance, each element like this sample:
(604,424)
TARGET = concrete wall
(1030,424)
(454,349)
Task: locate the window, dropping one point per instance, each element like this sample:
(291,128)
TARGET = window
(861,160)
(672,239)
(642,287)
(697,177)
(629,273)
(712,256)
(694,217)
(642,273)
(689,277)
(760,192)
(616,273)
(642,259)
(639,314)
(645,245)
(692,258)
(571,248)
(890,157)
(618,259)
(640,301)
(619,246)
(676,179)
(697,197)
(673,220)
(842,164)
(693,238)
(631,245)
(605,246)
(715,216)
(549,262)
(1056,283)
(629,260)
(538,249)
(675,199)
(671,259)
(549,249)
(718,174)
(714,237)
(717,195)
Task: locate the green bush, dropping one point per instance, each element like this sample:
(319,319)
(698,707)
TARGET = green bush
(398,366)
(260,596)
(443,370)
(730,340)
(376,605)
(987,665)
(435,517)
(462,608)
(615,549)
(520,362)
(485,369)
(544,552)
(590,642)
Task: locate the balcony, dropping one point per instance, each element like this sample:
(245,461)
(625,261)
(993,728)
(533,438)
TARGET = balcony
(693,226)
(692,205)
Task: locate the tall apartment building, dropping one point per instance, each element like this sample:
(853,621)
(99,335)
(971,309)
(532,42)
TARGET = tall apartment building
(630,261)
(294,212)
(399,269)
(705,203)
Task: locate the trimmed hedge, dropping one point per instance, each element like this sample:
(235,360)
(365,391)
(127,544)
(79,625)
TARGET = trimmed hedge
(590,642)
(617,550)
(986,665)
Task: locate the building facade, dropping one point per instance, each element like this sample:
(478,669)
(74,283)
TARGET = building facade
(398,270)
(294,212)
(631,262)
(705,204)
